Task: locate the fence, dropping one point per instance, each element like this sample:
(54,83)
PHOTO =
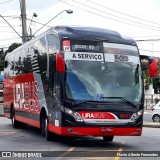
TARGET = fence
(151,100)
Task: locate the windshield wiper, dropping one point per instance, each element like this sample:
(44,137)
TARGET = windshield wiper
(77,103)
(81,102)
(123,99)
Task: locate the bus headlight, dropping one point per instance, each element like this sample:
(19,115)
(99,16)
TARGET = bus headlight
(135,116)
(74,114)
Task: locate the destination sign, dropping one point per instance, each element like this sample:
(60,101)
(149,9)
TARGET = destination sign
(85,56)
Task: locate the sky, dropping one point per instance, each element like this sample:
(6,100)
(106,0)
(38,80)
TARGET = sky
(137,19)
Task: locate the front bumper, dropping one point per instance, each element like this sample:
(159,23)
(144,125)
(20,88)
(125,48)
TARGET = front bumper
(95,131)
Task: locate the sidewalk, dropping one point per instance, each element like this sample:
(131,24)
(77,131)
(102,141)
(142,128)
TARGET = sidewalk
(151,124)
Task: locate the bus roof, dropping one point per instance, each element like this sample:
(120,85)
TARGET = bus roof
(83,33)
(91,33)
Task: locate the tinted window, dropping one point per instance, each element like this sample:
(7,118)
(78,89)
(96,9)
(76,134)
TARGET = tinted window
(39,56)
(17,63)
(53,43)
(86,46)
(26,61)
(9,71)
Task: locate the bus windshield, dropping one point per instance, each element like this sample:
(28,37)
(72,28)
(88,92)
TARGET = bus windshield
(115,72)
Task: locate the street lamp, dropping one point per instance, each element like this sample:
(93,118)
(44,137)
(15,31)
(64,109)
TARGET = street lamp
(29,29)
(67,11)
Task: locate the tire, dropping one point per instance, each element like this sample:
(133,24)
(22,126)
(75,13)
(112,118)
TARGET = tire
(108,138)
(15,123)
(44,129)
(156,118)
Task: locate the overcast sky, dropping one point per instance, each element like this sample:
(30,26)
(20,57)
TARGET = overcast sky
(138,19)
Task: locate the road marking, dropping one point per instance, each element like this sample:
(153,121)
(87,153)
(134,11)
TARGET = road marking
(96,158)
(119,151)
(65,153)
(102,158)
(7,130)
(6,133)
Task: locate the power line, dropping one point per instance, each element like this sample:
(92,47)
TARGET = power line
(12,16)
(147,36)
(106,16)
(9,19)
(6,1)
(113,14)
(9,26)
(145,40)
(4,46)
(38,22)
(7,32)
(122,12)
(9,39)
(148,50)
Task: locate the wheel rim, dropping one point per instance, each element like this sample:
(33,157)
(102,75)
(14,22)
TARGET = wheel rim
(44,126)
(13,119)
(156,119)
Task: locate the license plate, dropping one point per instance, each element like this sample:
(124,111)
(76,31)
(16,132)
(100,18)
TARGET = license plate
(106,129)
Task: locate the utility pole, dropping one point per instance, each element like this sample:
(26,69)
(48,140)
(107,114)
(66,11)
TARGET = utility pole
(24,24)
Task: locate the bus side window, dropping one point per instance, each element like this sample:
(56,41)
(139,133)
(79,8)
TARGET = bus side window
(17,63)
(9,70)
(11,66)
(39,56)
(42,56)
(26,61)
(53,43)
(53,46)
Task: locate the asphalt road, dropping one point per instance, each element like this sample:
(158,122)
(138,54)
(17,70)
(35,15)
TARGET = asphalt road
(147,117)
(31,140)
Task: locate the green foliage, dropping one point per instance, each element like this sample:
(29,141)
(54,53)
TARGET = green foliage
(147,79)
(12,47)
(146,76)
(3,54)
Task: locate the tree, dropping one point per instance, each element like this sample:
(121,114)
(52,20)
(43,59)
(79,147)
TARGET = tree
(12,47)
(146,77)
(3,54)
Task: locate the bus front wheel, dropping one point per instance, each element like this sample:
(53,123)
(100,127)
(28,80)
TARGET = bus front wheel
(44,128)
(108,138)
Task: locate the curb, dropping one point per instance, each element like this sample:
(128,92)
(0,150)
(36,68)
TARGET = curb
(151,124)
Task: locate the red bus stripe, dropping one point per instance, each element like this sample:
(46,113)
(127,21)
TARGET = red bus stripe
(94,131)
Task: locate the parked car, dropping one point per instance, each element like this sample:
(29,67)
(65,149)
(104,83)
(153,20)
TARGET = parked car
(156,112)
(1,95)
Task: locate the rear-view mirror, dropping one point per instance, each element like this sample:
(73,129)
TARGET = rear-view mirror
(153,67)
(60,64)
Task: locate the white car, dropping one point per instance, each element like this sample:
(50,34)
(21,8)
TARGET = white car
(156,112)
